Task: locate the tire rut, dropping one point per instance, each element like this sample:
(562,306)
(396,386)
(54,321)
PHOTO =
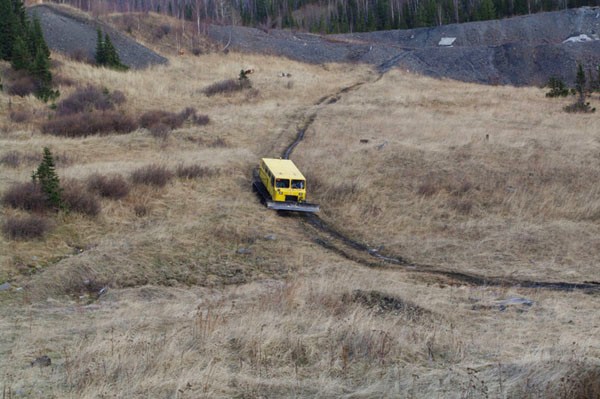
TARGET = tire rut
(375,259)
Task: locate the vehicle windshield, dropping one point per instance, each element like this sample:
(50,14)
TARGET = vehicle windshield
(299,184)
(282,183)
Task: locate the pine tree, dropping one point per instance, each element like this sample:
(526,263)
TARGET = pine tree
(580,83)
(8,29)
(37,41)
(557,88)
(112,58)
(40,68)
(19,12)
(46,177)
(106,53)
(21,55)
(100,49)
(487,10)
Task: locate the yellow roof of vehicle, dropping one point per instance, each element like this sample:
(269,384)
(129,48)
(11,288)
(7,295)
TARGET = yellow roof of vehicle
(283,168)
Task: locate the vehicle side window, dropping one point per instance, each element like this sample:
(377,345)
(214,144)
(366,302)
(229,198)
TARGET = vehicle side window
(272,181)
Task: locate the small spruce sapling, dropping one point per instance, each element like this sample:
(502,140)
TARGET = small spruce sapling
(557,88)
(46,177)
(580,90)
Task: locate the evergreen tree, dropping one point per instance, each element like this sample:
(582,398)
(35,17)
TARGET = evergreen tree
(46,177)
(22,43)
(21,55)
(487,10)
(40,68)
(112,58)
(19,12)
(100,49)
(36,40)
(106,53)
(557,88)
(580,83)
(8,29)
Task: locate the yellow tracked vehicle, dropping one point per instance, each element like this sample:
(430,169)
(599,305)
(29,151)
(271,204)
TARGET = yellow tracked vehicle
(282,186)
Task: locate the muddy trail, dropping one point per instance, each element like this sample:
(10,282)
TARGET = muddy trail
(333,240)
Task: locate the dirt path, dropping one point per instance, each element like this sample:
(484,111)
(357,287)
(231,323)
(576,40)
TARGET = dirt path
(331,239)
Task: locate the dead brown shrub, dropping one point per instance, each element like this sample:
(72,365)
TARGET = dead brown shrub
(218,143)
(160,131)
(113,187)
(90,123)
(22,86)
(226,86)
(27,196)
(152,175)
(427,189)
(141,210)
(76,199)
(20,116)
(81,55)
(11,159)
(24,228)
(462,206)
(194,171)
(89,98)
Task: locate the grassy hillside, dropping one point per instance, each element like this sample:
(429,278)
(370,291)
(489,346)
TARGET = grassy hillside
(211,295)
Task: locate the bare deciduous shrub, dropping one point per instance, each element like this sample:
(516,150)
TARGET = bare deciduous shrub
(20,116)
(160,122)
(11,159)
(171,119)
(194,171)
(77,199)
(464,206)
(152,175)
(427,189)
(460,187)
(201,120)
(89,98)
(162,31)
(224,87)
(151,118)
(23,228)
(114,187)
(81,55)
(91,123)
(118,97)
(141,210)
(22,86)
(160,131)
(252,94)
(27,196)
(218,143)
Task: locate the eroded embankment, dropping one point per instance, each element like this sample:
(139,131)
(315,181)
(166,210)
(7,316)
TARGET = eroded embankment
(332,239)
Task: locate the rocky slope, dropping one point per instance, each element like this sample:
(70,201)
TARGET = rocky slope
(524,50)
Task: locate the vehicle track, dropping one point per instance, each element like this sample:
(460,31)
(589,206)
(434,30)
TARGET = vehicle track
(333,240)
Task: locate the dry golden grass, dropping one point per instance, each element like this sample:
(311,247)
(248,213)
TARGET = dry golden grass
(429,186)
(211,295)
